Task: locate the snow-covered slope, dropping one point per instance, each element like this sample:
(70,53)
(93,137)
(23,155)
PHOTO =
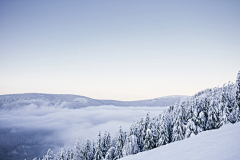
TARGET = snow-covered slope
(220,144)
(74,101)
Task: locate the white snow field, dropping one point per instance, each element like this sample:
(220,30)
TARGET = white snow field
(220,144)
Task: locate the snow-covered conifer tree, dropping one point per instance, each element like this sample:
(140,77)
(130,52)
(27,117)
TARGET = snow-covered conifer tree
(130,146)
(77,151)
(63,154)
(141,134)
(70,154)
(98,151)
(87,151)
(148,142)
(119,144)
(190,129)
(178,128)
(146,122)
(238,97)
(104,145)
(50,155)
(213,121)
(93,149)
(110,154)
(163,136)
(238,89)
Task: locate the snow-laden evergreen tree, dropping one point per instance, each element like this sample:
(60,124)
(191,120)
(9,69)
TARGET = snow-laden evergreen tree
(163,136)
(222,108)
(77,151)
(238,89)
(196,121)
(148,142)
(233,116)
(108,140)
(141,134)
(224,118)
(146,121)
(87,151)
(182,106)
(70,154)
(154,131)
(93,149)
(98,152)
(178,128)
(130,146)
(237,103)
(50,155)
(213,121)
(110,154)
(190,129)
(105,145)
(202,119)
(119,144)
(62,155)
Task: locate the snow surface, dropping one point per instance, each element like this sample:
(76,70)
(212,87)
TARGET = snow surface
(220,144)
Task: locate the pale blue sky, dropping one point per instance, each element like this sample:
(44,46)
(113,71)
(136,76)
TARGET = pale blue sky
(123,50)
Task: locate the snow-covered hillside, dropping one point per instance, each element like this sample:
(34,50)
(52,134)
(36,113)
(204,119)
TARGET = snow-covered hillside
(37,100)
(219,144)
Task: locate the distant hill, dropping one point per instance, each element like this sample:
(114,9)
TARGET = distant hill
(13,101)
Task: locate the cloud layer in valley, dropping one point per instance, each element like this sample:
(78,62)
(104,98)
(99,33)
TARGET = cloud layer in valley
(66,124)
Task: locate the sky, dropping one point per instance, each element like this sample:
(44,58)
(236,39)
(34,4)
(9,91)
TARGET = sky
(121,50)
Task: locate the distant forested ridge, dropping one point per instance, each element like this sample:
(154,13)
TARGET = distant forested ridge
(206,110)
(38,100)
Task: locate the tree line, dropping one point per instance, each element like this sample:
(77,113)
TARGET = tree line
(206,110)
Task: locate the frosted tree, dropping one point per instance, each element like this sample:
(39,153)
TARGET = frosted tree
(62,154)
(141,134)
(190,113)
(130,146)
(196,122)
(222,108)
(108,141)
(77,151)
(50,155)
(87,151)
(105,145)
(93,149)
(98,152)
(238,97)
(148,142)
(224,118)
(202,119)
(163,136)
(183,113)
(178,128)
(238,89)
(154,132)
(119,145)
(146,122)
(70,154)
(110,154)
(190,129)
(213,119)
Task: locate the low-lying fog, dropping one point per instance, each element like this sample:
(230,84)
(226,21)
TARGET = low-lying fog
(62,125)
